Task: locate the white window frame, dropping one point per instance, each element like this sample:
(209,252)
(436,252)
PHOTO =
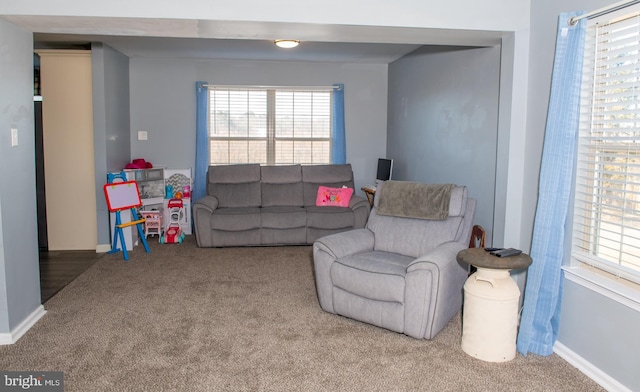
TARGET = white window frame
(589,270)
(271,137)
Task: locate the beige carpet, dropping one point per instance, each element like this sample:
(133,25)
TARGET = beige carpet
(245,319)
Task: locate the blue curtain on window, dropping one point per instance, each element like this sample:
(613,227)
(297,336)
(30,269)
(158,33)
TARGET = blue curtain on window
(202,142)
(339,145)
(543,293)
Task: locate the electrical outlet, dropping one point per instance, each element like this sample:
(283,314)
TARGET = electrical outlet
(142,135)
(14,137)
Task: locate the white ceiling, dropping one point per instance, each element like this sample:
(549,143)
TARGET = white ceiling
(206,39)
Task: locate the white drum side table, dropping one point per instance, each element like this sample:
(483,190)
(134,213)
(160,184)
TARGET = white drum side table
(490,312)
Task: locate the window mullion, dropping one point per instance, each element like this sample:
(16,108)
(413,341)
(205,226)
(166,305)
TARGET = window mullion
(271,127)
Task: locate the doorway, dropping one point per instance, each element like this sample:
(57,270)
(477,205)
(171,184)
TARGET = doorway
(65,173)
(65,192)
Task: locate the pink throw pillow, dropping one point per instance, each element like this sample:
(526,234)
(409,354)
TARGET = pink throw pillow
(337,197)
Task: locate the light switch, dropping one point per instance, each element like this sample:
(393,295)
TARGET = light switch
(142,135)
(14,137)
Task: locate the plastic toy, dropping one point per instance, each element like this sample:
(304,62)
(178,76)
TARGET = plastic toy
(153,223)
(173,233)
(122,196)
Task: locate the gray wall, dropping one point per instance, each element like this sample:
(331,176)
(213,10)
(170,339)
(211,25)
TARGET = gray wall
(110,70)
(19,269)
(18,247)
(602,332)
(443,121)
(163,104)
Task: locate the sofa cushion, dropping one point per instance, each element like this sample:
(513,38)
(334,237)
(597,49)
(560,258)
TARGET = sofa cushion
(411,237)
(414,237)
(236,219)
(335,176)
(235,185)
(234,174)
(330,217)
(281,185)
(269,236)
(281,174)
(374,275)
(283,217)
(385,314)
(221,238)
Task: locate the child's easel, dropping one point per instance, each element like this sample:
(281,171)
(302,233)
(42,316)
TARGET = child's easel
(122,196)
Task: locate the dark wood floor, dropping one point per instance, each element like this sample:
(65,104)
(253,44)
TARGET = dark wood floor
(59,268)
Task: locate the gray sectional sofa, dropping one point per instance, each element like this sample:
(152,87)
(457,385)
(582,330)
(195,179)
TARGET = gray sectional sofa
(253,205)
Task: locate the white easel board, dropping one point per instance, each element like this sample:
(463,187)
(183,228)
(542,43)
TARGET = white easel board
(122,195)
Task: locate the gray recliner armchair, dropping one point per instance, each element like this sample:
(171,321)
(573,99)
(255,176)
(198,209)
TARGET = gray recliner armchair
(400,272)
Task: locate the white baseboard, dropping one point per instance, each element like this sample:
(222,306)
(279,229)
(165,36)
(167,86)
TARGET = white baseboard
(23,327)
(590,370)
(103,248)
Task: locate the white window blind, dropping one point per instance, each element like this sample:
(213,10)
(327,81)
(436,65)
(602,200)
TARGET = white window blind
(607,202)
(270,126)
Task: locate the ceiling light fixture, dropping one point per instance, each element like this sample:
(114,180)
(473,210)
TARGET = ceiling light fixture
(286,43)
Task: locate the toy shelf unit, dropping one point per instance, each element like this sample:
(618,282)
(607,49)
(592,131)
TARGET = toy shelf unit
(178,185)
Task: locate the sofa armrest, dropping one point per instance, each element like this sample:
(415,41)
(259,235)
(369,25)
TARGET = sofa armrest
(361,208)
(202,211)
(207,202)
(357,201)
(437,276)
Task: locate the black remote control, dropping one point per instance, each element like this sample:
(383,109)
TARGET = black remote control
(507,252)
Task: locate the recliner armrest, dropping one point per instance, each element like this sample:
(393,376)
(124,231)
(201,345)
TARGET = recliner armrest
(207,202)
(346,243)
(446,277)
(440,256)
(328,249)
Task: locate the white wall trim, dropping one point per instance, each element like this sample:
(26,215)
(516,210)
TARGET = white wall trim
(606,287)
(589,369)
(23,327)
(103,248)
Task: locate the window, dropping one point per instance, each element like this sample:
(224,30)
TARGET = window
(270,126)
(606,227)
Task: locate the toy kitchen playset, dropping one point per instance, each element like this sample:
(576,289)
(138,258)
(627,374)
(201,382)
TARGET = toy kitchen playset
(157,187)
